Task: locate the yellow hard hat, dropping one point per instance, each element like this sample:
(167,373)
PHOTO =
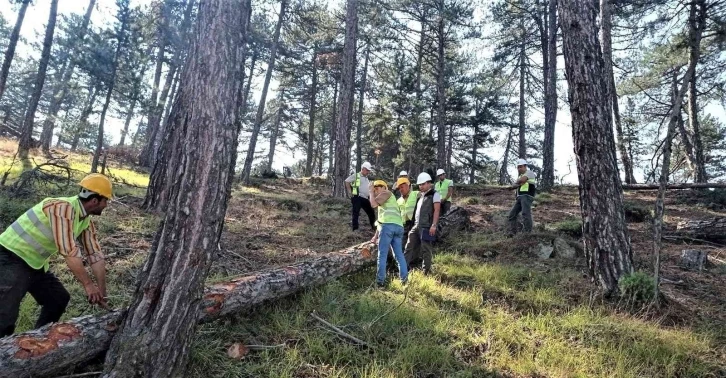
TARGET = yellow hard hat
(98,183)
(402,181)
(380,183)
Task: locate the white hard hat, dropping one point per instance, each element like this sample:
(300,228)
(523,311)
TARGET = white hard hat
(422,178)
(403,173)
(521,162)
(367,166)
(440,172)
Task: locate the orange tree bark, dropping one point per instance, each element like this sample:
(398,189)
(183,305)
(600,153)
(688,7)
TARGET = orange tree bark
(607,244)
(153,339)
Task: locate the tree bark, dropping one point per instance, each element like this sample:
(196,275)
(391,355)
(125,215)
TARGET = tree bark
(345,100)
(154,338)
(696,24)
(26,138)
(359,124)
(275,131)
(58,347)
(522,147)
(474,139)
(713,229)
(149,134)
(662,182)
(311,124)
(333,118)
(606,239)
(503,174)
(550,103)
(247,170)
(606,24)
(703,185)
(124,14)
(441,88)
(61,89)
(12,43)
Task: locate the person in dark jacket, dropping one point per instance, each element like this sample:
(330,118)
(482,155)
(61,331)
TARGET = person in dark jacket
(426,217)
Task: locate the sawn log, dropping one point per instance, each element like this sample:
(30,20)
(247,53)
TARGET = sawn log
(713,229)
(58,347)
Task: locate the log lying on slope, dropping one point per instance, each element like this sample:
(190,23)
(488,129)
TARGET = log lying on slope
(713,229)
(58,347)
(705,185)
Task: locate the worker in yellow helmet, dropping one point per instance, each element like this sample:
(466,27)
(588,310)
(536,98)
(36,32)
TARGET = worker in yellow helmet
(53,226)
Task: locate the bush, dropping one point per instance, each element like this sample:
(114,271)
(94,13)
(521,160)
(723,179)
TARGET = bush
(570,226)
(636,213)
(637,288)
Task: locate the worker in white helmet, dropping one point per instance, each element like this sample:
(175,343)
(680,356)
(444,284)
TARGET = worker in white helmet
(525,192)
(426,218)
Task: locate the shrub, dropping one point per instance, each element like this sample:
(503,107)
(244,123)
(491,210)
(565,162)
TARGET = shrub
(570,226)
(636,213)
(637,288)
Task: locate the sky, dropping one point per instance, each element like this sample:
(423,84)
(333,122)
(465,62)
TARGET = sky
(37,16)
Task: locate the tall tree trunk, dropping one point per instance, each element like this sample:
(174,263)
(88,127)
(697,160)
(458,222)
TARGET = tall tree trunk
(61,88)
(127,123)
(696,24)
(26,138)
(275,131)
(247,170)
(83,120)
(149,134)
(155,336)
(359,124)
(311,124)
(606,23)
(503,173)
(246,95)
(663,181)
(474,140)
(345,100)
(522,149)
(124,14)
(687,144)
(449,147)
(606,240)
(333,132)
(550,103)
(441,88)
(12,43)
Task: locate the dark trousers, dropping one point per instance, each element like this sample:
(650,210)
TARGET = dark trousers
(523,205)
(445,207)
(17,279)
(362,203)
(417,248)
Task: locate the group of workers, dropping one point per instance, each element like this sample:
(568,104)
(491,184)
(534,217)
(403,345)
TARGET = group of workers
(413,215)
(63,226)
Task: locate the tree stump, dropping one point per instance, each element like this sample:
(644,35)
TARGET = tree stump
(693,259)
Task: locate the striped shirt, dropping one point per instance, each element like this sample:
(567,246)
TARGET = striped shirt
(61,214)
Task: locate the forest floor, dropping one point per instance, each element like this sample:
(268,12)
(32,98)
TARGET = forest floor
(491,308)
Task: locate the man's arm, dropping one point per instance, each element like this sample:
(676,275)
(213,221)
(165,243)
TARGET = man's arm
(60,215)
(349,188)
(520,181)
(437,211)
(450,193)
(95,258)
(380,199)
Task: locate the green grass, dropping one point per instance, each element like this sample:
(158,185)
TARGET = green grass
(471,319)
(571,226)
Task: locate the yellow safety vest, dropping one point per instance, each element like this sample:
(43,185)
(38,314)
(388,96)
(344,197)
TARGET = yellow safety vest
(527,188)
(31,238)
(443,188)
(356,184)
(389,212)
(408,206)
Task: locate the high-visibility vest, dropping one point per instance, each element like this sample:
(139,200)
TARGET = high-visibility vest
(31,238)
(528,187)
(389,212)
(408,206)
(356,184)
(443,187)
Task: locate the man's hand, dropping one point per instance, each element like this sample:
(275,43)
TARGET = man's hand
(94,295)
(432,230)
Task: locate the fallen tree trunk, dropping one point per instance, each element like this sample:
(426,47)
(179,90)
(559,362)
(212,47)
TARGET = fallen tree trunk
(703,185)
(713,229)
(59,347)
